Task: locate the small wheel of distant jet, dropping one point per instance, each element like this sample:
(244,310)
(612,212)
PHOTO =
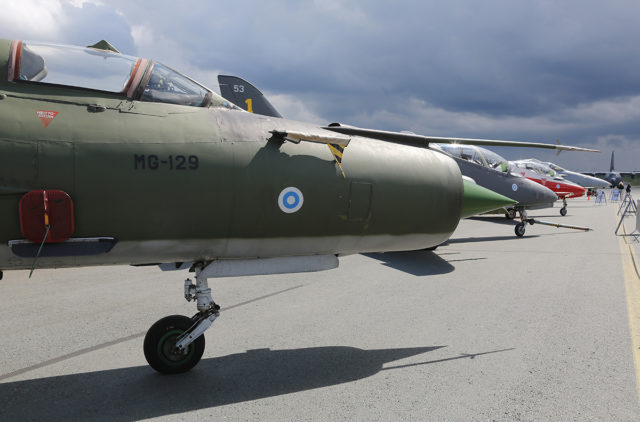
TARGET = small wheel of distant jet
(511,214)
(563,211)
(520,229)
(160,350)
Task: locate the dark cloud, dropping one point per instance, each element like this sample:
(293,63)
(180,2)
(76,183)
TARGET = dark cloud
(91,23)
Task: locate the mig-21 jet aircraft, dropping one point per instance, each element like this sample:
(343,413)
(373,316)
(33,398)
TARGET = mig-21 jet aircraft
(484,167)
(111,159)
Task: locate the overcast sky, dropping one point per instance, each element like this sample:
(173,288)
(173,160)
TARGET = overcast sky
(500,69)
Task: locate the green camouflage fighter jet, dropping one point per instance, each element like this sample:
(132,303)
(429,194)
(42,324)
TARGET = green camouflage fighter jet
(478,165)
(111,159)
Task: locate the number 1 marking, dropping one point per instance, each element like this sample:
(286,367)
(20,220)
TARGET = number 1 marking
(249,102)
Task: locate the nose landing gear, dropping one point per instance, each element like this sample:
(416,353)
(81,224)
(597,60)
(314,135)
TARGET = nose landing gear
(524,219)
(563,210)
(175,343)
(160,346)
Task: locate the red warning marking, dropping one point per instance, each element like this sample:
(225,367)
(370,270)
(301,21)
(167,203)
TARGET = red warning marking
(46,116)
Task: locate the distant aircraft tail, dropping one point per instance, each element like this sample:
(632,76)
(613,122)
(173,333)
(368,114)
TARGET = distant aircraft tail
(611,166)
(245,95)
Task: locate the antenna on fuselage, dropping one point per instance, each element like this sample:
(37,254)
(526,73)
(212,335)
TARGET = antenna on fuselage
(104,45)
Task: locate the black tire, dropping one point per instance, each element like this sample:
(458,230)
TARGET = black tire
(511,214)
(563,211)
(519,229)
(159,342)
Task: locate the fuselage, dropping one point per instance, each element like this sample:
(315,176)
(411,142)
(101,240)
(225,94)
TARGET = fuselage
(485,168)
(583,180)
(614,178)
(546,177)
(172,182)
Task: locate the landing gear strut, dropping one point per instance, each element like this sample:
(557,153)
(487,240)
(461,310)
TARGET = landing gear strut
(175,343)
(520,227)
(563,210)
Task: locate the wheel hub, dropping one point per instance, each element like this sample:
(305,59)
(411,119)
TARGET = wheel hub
(167,347)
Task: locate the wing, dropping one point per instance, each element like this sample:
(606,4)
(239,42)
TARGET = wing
(420,140)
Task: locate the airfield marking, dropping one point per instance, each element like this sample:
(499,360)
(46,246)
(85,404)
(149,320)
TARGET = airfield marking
(632,289)
(127,338)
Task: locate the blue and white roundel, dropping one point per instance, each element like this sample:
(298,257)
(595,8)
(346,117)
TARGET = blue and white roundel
(558,186)
(290,200)
(514,187)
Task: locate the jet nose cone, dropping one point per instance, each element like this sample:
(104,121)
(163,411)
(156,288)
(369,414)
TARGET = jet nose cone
(598,183)
(545,195)
(477,200)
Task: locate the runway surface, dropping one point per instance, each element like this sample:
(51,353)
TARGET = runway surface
(487,327)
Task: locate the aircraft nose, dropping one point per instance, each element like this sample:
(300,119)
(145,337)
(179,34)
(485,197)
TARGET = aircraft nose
(477,200)
(545,195)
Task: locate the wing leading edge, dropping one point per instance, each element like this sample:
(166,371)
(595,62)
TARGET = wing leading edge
(421,140)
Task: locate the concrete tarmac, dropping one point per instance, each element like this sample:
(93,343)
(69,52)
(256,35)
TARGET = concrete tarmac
(487,327)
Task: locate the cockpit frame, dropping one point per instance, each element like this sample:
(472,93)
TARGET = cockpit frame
(137,86)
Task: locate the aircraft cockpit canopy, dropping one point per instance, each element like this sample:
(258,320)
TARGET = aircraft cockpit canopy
(556,167)
(538,167)
(477,155)
(104,70)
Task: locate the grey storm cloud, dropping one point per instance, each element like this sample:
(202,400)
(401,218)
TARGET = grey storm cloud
(536,70)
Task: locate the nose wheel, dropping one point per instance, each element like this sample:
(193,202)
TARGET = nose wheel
(519,229)
(160,346)
(563,210)
(175,344)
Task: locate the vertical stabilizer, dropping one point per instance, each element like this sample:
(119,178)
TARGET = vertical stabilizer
(611,166)
(245,95)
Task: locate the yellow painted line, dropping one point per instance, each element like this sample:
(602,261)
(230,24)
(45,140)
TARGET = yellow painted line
(632,288)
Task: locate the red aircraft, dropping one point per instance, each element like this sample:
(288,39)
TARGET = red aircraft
(541,173)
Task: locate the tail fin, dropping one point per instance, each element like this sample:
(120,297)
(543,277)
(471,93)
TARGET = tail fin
(248,97)
(611,166)
(245,96)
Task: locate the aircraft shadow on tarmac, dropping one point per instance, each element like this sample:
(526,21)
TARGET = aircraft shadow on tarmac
(418,263)
(139,392)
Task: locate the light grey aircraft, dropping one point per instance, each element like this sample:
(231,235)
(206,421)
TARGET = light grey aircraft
(583,180)
(484,167)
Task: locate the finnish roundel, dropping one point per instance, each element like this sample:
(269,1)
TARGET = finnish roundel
(558,186)
(290,200)
(514,187)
